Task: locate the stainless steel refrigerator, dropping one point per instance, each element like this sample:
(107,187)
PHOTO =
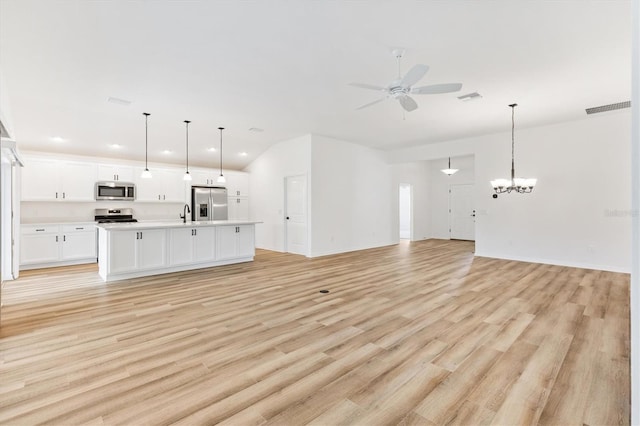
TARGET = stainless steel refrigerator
(208,203)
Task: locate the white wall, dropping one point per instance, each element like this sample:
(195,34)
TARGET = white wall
(266,180)
(571,217)
(576,215)
(5,110)
(417,174)
(439,184)
(351,198)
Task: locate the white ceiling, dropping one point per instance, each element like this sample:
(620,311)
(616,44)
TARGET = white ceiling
(284,66)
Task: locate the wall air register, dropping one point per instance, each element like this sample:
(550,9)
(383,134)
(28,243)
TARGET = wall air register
(610,107)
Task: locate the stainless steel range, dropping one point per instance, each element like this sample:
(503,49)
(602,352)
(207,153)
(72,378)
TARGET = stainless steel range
(114,215)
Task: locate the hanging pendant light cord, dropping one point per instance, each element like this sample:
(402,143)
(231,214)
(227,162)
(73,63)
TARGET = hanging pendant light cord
(221,129)
(187,121)
(146,141)
(513,126)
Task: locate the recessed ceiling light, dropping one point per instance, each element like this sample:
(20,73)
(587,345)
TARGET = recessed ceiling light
(211,149)
(167,152)
(115,146)
(242,154)
(256,129)
(57,139)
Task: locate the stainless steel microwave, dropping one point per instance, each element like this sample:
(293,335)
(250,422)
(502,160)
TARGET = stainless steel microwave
(123,191)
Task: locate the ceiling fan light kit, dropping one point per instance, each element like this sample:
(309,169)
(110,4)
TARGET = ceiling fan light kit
(520,185)
(402,87)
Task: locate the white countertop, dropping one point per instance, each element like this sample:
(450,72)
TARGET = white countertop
(171,224)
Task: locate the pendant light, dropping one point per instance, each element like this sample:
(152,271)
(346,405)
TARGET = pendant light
(187,176)
(146,174)
(521,185)
(221,178)
(449,171)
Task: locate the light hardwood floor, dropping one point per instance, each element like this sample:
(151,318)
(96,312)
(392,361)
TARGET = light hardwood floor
(417,333)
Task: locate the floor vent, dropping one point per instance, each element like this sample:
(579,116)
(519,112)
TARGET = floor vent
(610,107)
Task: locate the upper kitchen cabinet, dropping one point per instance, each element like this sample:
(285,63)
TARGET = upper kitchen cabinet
(237,184)
(201,177)
(54,180)
(111,172)
(165,185)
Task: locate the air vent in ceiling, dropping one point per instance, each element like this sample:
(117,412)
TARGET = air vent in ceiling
(470,96)
(119,101)
(610,107)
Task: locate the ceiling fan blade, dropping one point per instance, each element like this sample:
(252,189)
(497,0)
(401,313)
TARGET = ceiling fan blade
(371,103)
(414,75)
(407,103)
(367,86)
(437,88)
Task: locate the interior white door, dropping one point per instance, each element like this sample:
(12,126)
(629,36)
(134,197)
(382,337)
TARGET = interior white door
(296,214)
(462,214)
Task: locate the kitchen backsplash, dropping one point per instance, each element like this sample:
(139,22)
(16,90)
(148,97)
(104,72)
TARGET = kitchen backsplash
(59,212)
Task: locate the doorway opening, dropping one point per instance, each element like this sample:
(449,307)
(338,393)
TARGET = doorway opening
(405,208)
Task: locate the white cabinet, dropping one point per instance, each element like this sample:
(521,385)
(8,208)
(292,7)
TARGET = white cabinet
(237,184)
(152,248)
(235,242)
(112,172)
(123,248)
(190,245)
(53,180)
(78,242)
(165,185)
(143,250)
(238,208)
(136,250)
(199,177)
(39,244)
(40,180)
(57,244)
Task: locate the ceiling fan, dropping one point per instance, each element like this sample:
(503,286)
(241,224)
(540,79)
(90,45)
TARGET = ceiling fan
(401,87)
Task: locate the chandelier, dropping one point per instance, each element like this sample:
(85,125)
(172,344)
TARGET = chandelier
(521,185)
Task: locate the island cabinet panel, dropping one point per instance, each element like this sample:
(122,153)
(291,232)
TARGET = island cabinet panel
(235,241)
(189,245)
(152,248)
(122,253)
(138,249)
(204,244)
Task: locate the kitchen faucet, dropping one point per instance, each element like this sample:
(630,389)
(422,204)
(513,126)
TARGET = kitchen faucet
(185,210)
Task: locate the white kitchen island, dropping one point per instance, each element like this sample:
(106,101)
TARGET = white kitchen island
(130,250)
